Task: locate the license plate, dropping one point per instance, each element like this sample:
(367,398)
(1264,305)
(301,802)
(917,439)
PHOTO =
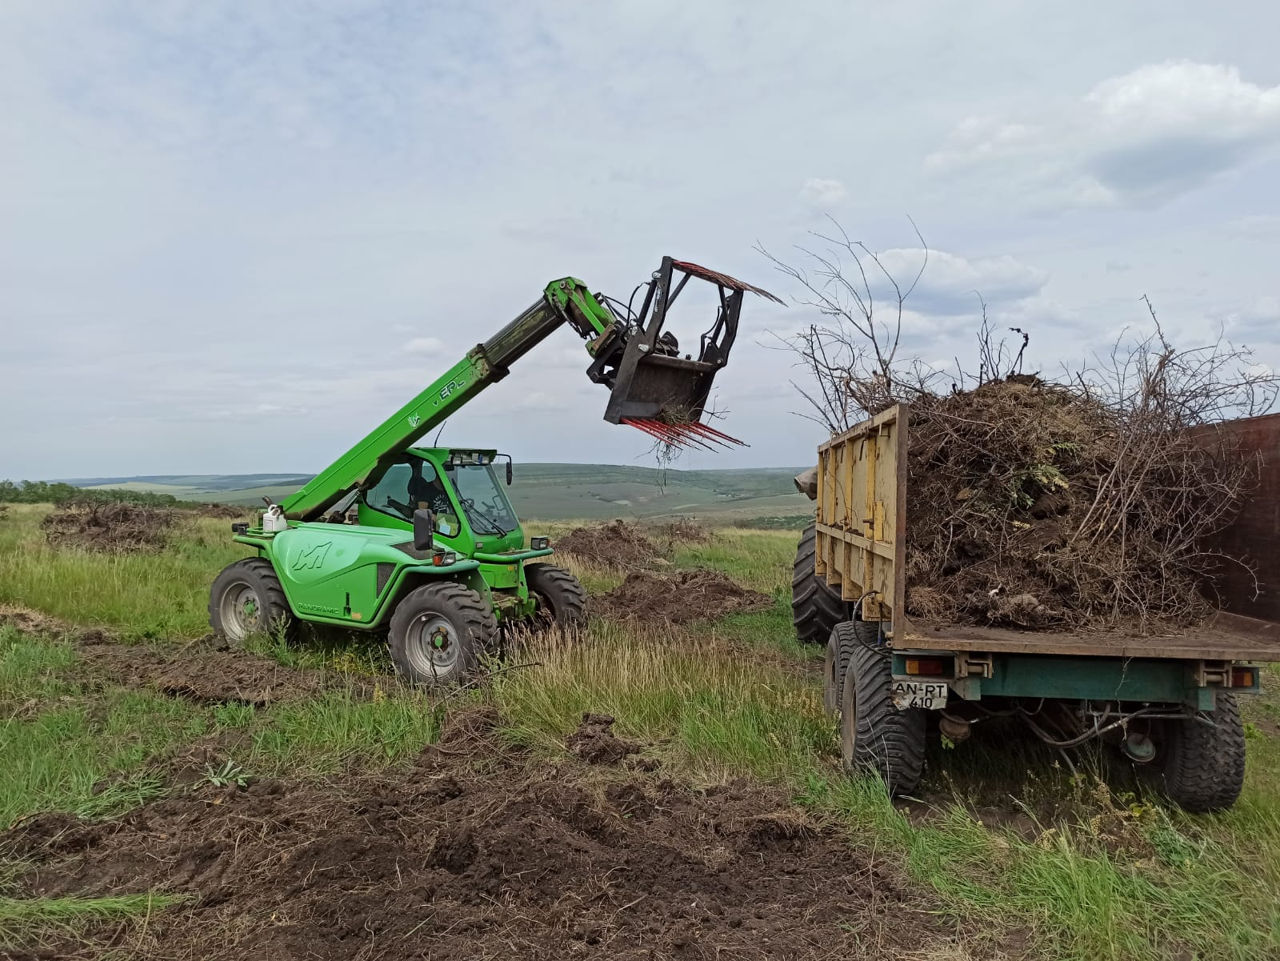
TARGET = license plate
(926,695)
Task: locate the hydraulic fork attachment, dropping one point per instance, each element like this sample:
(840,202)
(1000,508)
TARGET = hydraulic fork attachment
(652,387)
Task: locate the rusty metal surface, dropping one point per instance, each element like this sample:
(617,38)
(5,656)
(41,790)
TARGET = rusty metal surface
(724,280)
(1254,536)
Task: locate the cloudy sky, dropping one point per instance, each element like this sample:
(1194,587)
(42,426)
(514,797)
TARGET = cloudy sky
(234,236)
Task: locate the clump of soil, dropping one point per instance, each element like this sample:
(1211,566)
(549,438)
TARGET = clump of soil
(595,742)
(616,544)
(111,527)
(680,598)
(1022,511)
(467,856)
(206,671)
(682,530)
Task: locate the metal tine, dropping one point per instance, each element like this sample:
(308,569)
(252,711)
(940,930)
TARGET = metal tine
(710,437)
(669,433)
(654,429)
(698,428)
(685,435)
(642,426)
(708,429)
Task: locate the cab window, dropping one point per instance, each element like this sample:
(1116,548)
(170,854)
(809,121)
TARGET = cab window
(408,485)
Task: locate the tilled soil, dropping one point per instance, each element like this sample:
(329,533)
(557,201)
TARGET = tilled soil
(477,852)
(616,544)
(207,671)
(680,598)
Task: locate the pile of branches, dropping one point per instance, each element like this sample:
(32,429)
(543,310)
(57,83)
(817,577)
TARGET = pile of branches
(113,528)
(1081,502)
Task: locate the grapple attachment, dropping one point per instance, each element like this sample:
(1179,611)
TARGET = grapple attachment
(653,386)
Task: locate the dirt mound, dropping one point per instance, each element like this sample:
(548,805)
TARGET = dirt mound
(680,598)
(206,671)
(224,511)
(595,742)
(517,861)
(616,544)
(682,530)
(111,528)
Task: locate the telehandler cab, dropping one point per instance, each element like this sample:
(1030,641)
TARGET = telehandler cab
(423,543)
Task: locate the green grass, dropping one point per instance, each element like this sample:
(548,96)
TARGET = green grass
(1010,836)
(144,595)
(26,920)
(324,734)
(64,749)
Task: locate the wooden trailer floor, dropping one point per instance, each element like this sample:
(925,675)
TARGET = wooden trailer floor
(1226,637)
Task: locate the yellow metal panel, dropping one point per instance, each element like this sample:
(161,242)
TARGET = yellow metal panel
(861,510)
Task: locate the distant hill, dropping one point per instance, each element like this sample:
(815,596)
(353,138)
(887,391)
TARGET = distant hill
(547,491)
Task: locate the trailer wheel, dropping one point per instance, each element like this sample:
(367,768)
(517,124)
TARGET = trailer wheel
(815,608)
(1204,763)
(246,598)
(845,636)
(437,633)
(874,734)
(561,600)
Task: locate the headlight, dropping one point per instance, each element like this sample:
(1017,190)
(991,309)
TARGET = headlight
(539,543)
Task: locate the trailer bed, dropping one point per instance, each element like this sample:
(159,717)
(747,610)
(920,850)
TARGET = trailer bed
(1225,637)
(861,542)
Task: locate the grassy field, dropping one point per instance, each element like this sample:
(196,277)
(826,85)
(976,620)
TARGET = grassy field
(546,491)
(1006,836)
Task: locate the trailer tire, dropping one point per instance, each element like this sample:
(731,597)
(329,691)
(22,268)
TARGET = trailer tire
(874,734)
(561,592)
(815,608)
(1204,763)
(845,636)
(438,632)
(246,598)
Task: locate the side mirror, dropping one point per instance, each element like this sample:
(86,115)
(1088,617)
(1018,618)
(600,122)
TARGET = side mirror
(424,524)
(508,471)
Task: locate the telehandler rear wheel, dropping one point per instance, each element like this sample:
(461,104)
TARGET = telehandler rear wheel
(438,632)
(561,600)
(246,598)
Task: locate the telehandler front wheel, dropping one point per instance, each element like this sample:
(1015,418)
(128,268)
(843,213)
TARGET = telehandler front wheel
(246,598)
(438,632)
(561,600)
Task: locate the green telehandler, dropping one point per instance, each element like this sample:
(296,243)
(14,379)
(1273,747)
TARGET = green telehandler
(422,543)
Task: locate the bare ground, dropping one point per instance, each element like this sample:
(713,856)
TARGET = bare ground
(476,852)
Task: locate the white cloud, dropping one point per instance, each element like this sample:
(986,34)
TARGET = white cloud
(1255,322)
(952,284)
(424,346)
(823,194)
(1138,139)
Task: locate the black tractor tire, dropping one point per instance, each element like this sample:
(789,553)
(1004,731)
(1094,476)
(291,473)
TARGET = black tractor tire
(438,632)
(562,602)
(845,636)
(874,734)
(1203,768)
(246,599)
(815,608)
